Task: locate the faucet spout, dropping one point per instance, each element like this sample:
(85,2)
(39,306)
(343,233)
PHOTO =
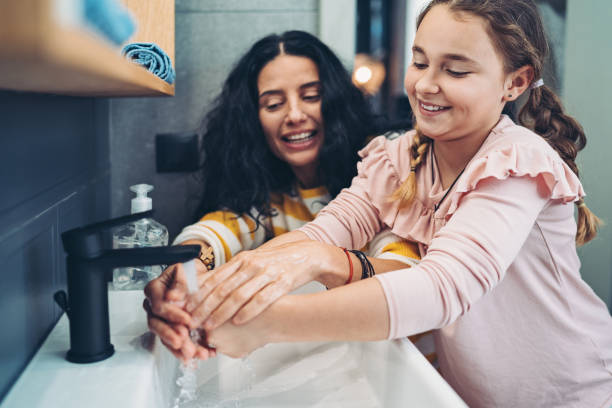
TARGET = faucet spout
(88,266)
(116,258)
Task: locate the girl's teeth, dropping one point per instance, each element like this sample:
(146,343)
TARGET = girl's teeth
(432,108)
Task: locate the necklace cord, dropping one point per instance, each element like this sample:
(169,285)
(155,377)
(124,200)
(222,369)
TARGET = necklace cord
(437,205)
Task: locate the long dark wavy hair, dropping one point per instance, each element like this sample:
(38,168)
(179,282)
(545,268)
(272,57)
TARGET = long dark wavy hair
(239,171)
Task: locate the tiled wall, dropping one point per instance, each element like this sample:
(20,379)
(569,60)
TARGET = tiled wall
(56,154)
(210,37)
(54,175)
(587,86)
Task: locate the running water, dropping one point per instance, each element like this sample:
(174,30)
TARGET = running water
(187,380)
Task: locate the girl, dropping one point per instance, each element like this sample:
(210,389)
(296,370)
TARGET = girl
(281,140)
(490,204)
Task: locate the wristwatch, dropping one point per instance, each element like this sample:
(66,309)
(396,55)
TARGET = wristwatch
(208,258)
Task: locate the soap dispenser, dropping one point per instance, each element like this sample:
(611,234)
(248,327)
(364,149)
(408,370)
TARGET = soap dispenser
(142,233)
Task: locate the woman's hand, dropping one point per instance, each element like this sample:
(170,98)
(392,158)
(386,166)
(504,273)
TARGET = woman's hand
(165,298)
(253,280)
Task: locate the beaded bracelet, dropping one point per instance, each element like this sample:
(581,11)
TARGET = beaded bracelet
(367,270)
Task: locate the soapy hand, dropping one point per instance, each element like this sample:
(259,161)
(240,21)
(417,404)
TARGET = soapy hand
(165,299)
(253,280)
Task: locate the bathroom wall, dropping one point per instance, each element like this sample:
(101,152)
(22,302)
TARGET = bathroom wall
(210,36)
(56,154)
(54,175)
(587,88)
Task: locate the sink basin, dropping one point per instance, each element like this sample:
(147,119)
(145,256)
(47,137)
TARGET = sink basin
(322,375)
(142,373)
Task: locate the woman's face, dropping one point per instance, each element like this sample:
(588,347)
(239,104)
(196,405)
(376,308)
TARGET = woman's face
(290,113)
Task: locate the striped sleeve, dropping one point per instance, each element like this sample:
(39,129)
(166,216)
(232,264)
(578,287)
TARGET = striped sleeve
(226,233)
(387,245)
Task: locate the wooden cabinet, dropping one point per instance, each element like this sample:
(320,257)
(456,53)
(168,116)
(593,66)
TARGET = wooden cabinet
(39,53)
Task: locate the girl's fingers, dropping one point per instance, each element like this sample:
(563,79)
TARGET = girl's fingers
(211,282)
(226,300)
(260,302)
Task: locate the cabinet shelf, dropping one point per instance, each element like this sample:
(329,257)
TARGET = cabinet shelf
(39,55)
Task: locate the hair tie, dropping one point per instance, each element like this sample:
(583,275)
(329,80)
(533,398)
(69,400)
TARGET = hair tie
(580,203)
(537,84)
(413,169)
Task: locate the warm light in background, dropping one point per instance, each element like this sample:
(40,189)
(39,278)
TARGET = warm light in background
(363,75)
(368,73)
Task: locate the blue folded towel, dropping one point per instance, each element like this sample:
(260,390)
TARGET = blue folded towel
(110,18)
(152,58)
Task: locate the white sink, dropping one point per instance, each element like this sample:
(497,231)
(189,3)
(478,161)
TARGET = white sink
(142,373)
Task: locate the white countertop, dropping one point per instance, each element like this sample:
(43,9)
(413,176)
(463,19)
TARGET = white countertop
(390,373)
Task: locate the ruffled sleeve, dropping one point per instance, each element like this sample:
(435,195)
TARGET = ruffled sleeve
(538,161)
(378,175)
(484,228)
(353,218)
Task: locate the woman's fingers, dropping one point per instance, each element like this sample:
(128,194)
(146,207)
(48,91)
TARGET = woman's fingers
(165,296)
(177,287)
(166,332)
(170,312)
(205,353)
(177,353)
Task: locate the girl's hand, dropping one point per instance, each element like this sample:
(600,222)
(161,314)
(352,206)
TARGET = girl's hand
(252,280)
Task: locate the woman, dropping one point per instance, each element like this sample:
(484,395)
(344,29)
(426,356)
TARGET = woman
(281,141)
(491,204)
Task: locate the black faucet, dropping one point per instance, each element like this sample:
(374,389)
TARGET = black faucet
(88,266)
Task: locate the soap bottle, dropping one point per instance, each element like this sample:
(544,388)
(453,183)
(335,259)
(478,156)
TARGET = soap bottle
(145,232)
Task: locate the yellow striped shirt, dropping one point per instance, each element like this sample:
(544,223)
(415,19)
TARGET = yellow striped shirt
(227,233)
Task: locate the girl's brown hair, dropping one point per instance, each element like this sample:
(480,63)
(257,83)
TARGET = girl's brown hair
(516,30)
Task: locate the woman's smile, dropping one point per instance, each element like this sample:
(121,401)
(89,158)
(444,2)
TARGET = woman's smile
(290,113)
(299,140)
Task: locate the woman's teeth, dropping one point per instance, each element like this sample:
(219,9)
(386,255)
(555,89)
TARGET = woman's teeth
(300,137)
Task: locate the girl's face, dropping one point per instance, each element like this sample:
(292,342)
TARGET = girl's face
(290,113)
(455,83)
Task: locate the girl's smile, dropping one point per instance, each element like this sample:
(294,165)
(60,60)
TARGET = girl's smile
(455,83)
(431,109)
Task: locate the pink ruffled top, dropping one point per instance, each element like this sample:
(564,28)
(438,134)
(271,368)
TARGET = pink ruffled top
(499,275)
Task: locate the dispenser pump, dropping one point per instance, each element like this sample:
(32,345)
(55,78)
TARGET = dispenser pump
(141,202)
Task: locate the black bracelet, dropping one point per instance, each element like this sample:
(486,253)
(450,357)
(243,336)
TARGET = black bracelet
(367,270)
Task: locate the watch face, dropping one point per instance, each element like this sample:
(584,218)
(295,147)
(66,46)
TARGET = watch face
(208,258)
